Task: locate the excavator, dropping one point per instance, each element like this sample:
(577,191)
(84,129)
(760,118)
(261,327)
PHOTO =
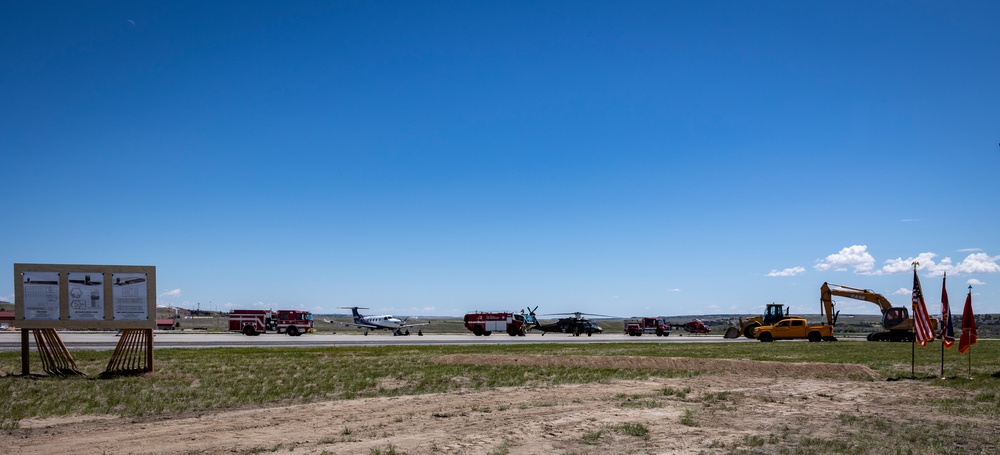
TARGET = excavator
(895,319)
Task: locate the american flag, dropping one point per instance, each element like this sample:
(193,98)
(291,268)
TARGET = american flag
(921,320)
(947,332)
(968,326)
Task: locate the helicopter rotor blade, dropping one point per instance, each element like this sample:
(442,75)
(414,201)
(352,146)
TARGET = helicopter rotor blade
(578,315)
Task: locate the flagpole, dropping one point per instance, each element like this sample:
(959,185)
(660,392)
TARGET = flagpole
(913,343)
(968,329)
(942,358)
(943,322)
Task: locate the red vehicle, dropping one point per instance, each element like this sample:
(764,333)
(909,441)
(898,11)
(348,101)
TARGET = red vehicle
(256,322)
(696,326)
(483,324)
(655,326)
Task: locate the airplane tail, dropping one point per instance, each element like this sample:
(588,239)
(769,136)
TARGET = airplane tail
(354,312)
(357,316)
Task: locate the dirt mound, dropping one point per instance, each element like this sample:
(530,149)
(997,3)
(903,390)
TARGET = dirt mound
(735,366)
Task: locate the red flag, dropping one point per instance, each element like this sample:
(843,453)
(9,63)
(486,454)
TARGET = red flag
(947,332)
(968,326)
(921,320)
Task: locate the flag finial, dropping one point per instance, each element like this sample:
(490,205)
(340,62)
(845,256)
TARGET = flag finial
(915,264)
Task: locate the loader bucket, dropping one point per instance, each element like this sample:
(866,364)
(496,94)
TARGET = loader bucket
(732,332)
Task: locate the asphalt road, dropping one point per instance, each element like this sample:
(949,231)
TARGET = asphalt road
(100,341)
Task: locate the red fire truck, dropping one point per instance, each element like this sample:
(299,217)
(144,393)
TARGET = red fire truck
(637,327)
(256,322)
(483,324)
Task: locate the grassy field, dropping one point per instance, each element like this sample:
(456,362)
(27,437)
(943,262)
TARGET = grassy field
(208,379)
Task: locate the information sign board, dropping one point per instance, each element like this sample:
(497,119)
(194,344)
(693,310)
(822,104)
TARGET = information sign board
(75,296)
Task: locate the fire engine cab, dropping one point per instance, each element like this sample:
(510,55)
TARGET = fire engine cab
(256,322)
(653,326)
(483,324)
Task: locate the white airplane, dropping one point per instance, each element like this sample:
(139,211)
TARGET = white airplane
(385,321)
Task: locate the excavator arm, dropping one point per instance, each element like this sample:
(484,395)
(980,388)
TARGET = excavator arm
(827,301)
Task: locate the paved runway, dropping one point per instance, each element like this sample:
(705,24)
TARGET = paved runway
(11,340)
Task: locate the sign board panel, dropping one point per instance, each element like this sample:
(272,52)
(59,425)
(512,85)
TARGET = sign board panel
(129,296)
(66,296)
(86,296)
(41,295)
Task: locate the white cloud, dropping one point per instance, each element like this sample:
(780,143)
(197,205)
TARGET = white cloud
(973,263)
(254,306)
(975,282)
(788,272)
(900,265)
(904,291)
(674,290)
(855,257)
(969,250)
(978,263)
(171,293)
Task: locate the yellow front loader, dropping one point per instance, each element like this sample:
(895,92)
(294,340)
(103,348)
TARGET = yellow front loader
(775,312)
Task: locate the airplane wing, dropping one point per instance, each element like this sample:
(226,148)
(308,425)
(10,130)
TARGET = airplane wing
(362,326)
(414,325)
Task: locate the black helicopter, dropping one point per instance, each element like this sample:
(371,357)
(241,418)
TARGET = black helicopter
(575,324)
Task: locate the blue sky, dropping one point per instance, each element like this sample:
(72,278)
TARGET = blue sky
(434,158)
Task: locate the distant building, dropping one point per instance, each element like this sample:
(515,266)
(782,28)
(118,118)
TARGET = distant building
(165,324)
(6,320)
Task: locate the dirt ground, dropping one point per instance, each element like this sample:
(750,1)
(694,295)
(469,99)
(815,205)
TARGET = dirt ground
(712,412)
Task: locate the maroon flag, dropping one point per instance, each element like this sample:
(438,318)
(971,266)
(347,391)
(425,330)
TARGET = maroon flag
(968,326)
(921,320)
(947,332)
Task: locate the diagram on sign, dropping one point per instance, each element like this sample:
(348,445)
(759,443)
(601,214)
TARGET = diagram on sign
(86,295)
(129,296)
(41,295)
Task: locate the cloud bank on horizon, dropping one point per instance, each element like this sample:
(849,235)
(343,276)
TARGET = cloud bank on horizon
(858,260)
